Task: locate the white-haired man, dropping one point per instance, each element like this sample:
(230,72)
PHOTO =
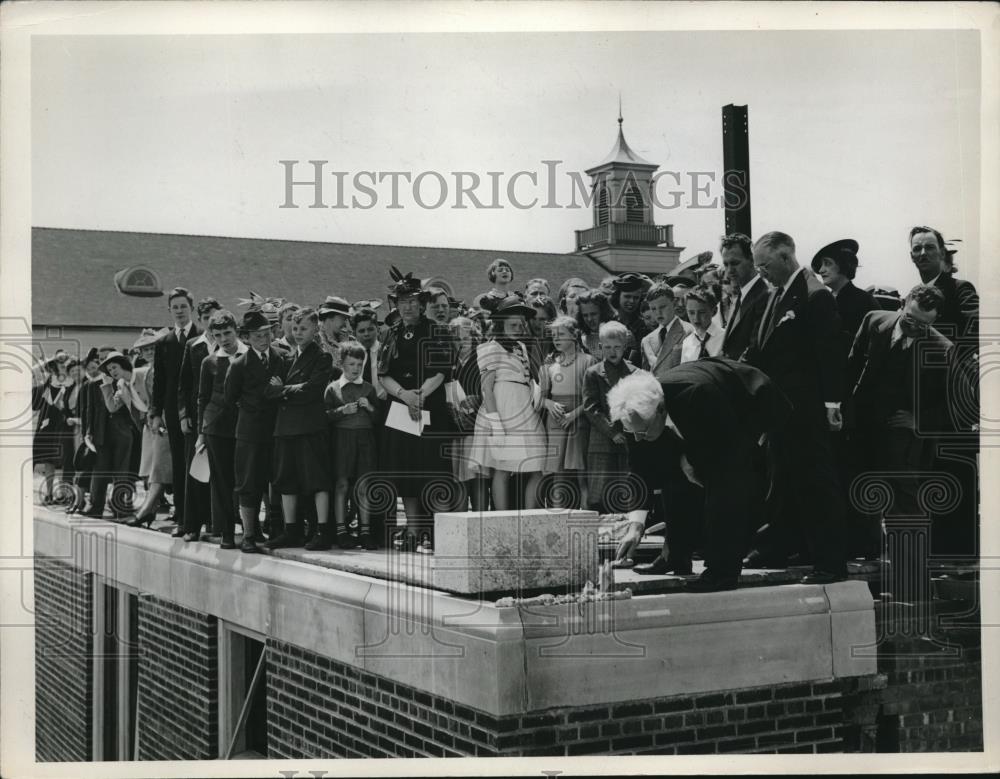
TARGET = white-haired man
(713,413)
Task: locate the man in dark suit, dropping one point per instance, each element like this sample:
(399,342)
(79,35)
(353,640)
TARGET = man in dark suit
(897,391)
(197,495)
(217,424)
(163,404)
(959,314)
(799,346)
(711,414)
(958,445)
(751,299)
(246,390)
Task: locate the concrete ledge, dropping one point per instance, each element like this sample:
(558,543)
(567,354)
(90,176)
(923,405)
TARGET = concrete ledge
(499,660)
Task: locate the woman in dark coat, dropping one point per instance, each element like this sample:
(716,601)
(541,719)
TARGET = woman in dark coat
(414,364)
(53,440)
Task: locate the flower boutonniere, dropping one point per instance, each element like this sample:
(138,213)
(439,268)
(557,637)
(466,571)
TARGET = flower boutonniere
(788,317)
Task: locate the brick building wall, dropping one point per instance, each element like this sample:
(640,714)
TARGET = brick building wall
(921,699)
(932,701)
(63,671)
(177,682)
(375,717)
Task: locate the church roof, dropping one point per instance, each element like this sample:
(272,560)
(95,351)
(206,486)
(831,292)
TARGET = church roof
(72,271)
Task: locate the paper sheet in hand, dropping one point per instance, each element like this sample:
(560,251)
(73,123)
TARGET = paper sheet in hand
(453,393)
(399,419)
(199,469)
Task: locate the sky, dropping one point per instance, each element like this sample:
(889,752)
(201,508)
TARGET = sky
(858,134)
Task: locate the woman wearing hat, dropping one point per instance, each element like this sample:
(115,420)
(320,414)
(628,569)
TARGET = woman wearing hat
(53,440)
(334,313)
(510,437)
(119,436)
(416,359)
(155,465)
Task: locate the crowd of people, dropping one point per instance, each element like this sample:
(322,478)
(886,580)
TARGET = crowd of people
(736,403)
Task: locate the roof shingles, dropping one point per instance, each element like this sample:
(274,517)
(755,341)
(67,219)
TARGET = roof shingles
(72,271)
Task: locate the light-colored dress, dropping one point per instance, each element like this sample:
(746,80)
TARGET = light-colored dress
(154,457)
(523,447)
(564,384)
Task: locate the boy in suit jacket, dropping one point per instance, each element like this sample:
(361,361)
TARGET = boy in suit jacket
(217,432)
(798,346)
(197,496)
(301,447)
(163,406)
(661,349)
(246,390)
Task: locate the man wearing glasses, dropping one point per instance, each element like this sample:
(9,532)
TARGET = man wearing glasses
(898,374)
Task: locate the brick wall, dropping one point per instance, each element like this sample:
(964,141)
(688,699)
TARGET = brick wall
(319,708)
(177,682)
(932,701)
(63,672)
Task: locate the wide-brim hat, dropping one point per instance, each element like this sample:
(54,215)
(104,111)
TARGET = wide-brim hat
(149,337)
(91,355)
(119,359)
(513,306)
(358,305)
(332,306)
(405,284)
(843,252)
(254,321)
(681,281)
(628,282)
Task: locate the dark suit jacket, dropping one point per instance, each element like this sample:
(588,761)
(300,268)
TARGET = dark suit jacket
(596,385)
(216,416)
(719,406)
(959,316)
(95,413)
(931,354)
(741,326)
(246,389)
(800,347)
(195,351)
(301,409)
(166,374)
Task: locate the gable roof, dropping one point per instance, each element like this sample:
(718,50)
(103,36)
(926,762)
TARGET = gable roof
(72,272)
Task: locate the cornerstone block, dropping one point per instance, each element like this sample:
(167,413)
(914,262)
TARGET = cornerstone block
(510,551)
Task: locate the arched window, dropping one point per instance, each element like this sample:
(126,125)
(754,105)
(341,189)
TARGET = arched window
(437,281)
(635,208)
(603,205)
(139,281)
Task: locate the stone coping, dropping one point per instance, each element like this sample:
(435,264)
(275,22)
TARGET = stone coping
(499,660)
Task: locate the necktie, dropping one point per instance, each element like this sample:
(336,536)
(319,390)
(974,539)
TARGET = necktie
(263,359)
(181,336)
(703,351)
(773,312)
(734,308)
(663,334)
